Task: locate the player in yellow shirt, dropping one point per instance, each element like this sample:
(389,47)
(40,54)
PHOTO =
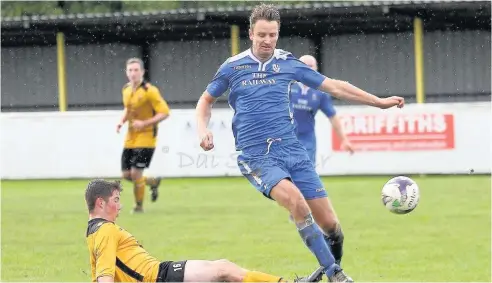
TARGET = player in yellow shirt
(144,109)
(116,256)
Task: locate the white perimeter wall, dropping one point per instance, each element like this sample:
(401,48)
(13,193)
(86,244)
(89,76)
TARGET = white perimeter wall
(419,139)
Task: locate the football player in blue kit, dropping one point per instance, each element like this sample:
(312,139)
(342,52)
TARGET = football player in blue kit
(306,102)
(271,157)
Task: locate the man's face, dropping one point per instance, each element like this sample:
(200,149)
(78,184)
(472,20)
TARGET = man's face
(113,206)
(134,72)
(264,36)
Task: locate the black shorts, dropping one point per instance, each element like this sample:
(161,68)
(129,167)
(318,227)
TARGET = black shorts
(136,158)
(171,271)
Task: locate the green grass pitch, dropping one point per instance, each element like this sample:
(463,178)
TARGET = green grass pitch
(447,238)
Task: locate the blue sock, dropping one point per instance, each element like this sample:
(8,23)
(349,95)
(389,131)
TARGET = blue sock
(313,238)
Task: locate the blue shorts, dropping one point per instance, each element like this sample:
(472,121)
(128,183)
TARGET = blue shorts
(265,166)
(309,142)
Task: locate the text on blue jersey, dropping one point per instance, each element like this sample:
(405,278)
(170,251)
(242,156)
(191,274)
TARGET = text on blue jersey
(259,94)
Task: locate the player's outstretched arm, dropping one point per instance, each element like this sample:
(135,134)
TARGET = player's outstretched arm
(203,113)
(346,91)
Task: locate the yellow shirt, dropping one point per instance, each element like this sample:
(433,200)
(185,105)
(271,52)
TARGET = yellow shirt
(115,252)
(142,104)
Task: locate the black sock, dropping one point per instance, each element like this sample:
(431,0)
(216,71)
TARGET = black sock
(335,242)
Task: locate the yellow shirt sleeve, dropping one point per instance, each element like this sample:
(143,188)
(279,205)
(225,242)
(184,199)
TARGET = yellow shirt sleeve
(106,244)
(158,103)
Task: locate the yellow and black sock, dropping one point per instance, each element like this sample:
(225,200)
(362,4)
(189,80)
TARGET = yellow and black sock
(255,276)
(139,191)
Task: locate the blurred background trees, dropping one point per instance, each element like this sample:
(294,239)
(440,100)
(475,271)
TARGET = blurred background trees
(29,8)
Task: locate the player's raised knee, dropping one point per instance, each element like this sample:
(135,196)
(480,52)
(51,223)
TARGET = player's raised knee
(297,202)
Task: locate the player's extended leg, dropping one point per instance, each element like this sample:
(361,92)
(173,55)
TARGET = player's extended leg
(140,161)
(130,169)
(325,217)
(289,196)
(128,173)
(319,204)
(263,172)
(324,214)
(138,188)
(220,270)
(305,177)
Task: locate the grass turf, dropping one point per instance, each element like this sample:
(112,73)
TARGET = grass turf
(447,238)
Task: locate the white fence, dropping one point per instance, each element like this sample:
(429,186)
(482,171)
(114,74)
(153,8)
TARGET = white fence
(418,139)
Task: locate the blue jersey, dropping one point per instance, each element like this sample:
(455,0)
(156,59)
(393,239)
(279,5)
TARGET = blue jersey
(305,104)
(259,94)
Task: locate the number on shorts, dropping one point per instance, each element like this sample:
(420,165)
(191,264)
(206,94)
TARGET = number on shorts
(177,267)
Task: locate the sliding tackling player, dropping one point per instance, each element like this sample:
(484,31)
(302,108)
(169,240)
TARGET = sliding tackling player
(116,256)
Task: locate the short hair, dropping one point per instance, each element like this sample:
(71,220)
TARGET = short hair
(135,60)
(266,12)
(99,188)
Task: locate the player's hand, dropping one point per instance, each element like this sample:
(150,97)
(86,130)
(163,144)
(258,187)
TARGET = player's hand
(346,145)
(138,125)
(207,141)
(118,127)
(389,102)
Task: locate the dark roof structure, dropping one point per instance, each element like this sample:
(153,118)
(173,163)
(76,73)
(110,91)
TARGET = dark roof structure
(312,18)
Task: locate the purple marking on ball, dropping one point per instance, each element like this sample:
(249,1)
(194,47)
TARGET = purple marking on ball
(402,183)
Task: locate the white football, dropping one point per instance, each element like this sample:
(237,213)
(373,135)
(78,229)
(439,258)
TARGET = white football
(400,195)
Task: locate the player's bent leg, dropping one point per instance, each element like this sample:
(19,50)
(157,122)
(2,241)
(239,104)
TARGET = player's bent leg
(286,194)
(223,271)
(289,196)
(324,214)
(307,180)
(271,179)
